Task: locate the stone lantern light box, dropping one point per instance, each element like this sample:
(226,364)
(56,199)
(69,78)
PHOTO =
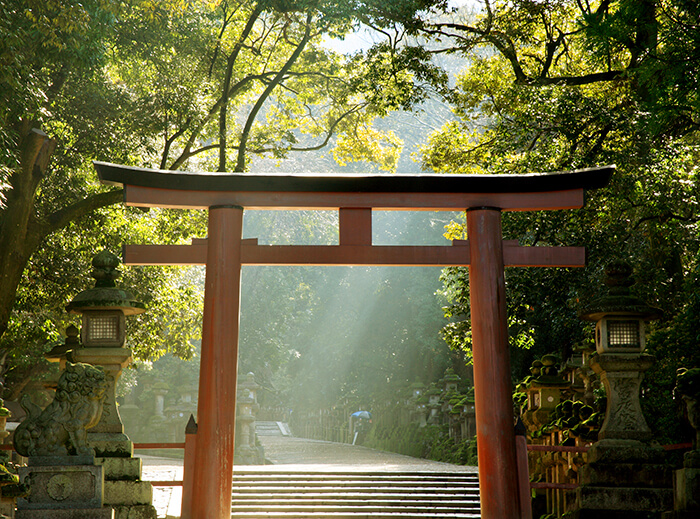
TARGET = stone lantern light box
(620,335)
(619,316)
(104,308)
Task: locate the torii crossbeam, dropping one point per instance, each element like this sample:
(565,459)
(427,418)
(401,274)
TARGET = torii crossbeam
(226,195)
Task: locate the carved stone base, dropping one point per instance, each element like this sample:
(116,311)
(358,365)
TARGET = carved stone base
(63,492)
(111,445)
(624,479)
(61,487)
(124,491)
(638,503)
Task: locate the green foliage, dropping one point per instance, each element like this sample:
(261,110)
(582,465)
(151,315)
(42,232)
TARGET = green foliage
(171,84)
(430,442)
(564,85)
(674,346)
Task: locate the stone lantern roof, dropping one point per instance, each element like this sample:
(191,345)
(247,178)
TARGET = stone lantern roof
(619,300)
(105,295)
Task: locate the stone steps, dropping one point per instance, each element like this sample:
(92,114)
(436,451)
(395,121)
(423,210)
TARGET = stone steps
(272,429)
(339,495)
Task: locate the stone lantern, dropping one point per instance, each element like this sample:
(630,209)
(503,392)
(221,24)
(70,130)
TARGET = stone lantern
(247,406)
(619,316)
(417,390)
(104,308)
(160,389)
(103,311)
(619,360)
(624,475)
(451,380)
(545,389)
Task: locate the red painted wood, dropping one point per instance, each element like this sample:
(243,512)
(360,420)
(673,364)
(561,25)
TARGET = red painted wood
(154,197)
(486,255)
(523,476)
(355,226)
(376,255)
(498,474)
(213,471)
(188,473)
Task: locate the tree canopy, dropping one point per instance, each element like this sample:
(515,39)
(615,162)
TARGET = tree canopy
(567,84)
(212,84)
(197,84)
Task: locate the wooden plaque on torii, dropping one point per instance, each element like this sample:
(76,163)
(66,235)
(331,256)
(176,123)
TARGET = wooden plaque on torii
(227,195)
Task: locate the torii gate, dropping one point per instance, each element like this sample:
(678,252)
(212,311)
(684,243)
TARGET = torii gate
(226,195)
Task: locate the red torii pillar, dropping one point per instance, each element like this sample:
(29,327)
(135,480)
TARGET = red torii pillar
(224,252)
(493,400)
(211,494)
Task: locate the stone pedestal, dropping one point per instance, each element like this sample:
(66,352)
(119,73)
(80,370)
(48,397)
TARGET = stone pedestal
(245,454)
(624,477)
(686,489)
(63,488)
(112,360)
(622,376)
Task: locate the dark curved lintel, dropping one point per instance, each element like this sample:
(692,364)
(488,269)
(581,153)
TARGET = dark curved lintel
(591,178)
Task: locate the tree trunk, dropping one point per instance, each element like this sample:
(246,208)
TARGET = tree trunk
(21,232)
(16,243)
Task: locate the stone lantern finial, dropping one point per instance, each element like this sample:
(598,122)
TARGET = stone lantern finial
(619,315)
(105,269)
(105,295)
(618,276)
(618,298)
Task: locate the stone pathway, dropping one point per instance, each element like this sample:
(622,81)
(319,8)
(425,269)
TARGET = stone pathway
(286,450)
(166,500)
(285,453)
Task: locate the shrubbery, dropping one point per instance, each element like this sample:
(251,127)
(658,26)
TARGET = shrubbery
(430,442)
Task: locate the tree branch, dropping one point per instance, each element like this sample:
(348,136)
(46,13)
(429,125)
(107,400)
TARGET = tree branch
(63,217)
(225,96)
(240,163)
(213,111)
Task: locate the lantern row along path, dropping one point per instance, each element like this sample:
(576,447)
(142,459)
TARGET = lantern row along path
(288,454)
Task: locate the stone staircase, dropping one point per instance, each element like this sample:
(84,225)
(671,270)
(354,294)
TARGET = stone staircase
(352,494)
(272,429)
